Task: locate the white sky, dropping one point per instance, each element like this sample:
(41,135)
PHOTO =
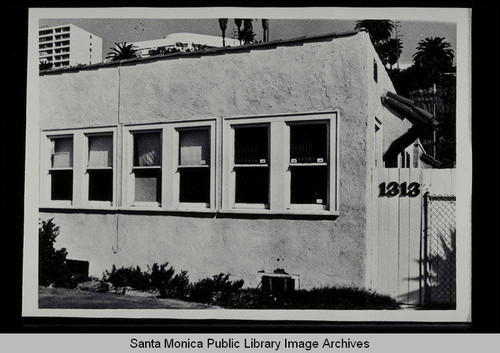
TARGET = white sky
(138,29)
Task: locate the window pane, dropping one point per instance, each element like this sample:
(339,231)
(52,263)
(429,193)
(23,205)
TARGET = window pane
(194,147)
(252,185)
(195,185)
(61,185)
(62,156)
(147,149)
(100,185)
(309,185)
(250,145)
(100,151)
(308,143)
(148,185)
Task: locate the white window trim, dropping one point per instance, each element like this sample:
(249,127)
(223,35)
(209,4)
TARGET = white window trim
(279,157)
(221,165)
(128,182)
(170,179)
(80,159)
(85,186)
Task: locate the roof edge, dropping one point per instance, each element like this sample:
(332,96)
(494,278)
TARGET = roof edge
(201,52)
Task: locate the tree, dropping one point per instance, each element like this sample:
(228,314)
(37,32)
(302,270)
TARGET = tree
(238,22)
(379,30)
(265,27)
(390,51)
(223,27)
(122,51)
(52,269)
(434,57)
(45,65)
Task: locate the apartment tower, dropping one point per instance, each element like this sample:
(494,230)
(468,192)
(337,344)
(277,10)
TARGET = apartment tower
(68,45)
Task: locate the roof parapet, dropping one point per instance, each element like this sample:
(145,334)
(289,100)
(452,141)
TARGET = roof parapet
(218,50)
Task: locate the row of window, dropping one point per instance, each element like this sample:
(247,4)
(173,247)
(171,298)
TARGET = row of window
(276,163)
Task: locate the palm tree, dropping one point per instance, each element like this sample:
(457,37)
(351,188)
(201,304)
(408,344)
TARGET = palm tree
(238,22)
(247,34)
(379,30)
(265,27)
(434,56)
(223,27)
(122,51)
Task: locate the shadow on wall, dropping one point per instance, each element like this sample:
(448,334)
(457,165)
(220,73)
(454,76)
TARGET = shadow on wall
(440,281)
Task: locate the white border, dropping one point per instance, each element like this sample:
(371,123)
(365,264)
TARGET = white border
(462,17)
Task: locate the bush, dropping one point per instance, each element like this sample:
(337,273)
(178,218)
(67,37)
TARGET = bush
(216,290)
(161,278)
(342,298)
(128,277)
(52,269)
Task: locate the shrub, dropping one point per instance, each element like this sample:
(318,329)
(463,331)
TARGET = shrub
(161,278)
(52,269)
(179,286)
(218,289)
(128,277)
(342,298)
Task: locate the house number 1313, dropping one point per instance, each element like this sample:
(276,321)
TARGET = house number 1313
(403,189)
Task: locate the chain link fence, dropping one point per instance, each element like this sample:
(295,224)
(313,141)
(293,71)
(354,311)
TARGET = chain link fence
(440,251)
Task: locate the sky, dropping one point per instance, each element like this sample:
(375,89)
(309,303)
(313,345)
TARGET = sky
(113,30)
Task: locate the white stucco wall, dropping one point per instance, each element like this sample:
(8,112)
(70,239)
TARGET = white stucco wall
(327,74)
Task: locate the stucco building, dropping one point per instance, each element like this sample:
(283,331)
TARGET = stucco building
(234,160)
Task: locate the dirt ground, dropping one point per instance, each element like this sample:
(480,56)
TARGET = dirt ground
(62,298)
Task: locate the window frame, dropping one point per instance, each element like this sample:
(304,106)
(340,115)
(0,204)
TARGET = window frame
(288,174)
(79,168)
(194,126)
(170,178)
(86,179)
(129,167)
(279,159)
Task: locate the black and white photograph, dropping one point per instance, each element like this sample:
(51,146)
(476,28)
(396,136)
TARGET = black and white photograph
(249,164)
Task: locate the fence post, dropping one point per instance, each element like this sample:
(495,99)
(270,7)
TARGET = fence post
(426,249)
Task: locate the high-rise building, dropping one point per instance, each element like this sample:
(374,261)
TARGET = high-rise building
(68,45)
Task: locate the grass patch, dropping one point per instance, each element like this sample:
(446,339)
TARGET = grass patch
(63,298)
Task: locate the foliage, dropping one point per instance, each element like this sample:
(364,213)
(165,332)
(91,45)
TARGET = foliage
(161,278)
(390,51)
(245,34)
(379,30)
(122,51)
(433,57)
(128,277)
(163,51)
(223,27)
(342,298)
(53,269)
(45,65)
(218,289)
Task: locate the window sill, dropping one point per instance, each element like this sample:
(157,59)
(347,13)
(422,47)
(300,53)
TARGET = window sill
(208,211)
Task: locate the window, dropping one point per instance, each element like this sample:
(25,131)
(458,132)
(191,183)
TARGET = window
(194,166)
(251,165)
(61,169)
(100,168)
(147,166)
(308,163)
(280,164)
(375,70)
